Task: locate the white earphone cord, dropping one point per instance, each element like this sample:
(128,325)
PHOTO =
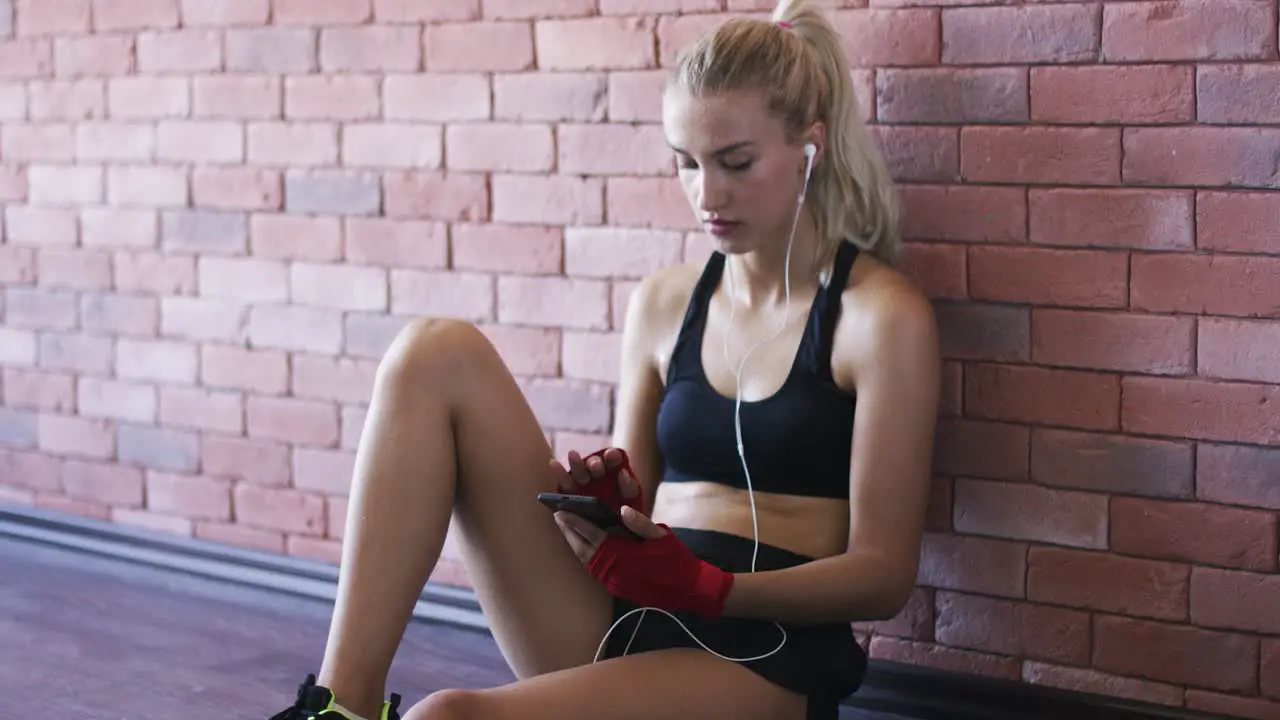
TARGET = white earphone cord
(810,151)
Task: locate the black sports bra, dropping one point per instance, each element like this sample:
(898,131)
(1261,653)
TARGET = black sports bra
(797,441)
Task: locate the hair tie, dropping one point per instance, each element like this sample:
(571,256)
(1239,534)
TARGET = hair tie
(785,24)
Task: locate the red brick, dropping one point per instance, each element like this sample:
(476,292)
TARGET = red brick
(225,13)
(18,428)
(213,232)
(636,95)
(675,33)
(113,399)
(1020,35)
(333,285)
(613,150)
(260,462)
(1133,94)
(479,47)
(332,192)
(526,351)
(1108,583)
(606,43)
(235,368)
(565,404)
(630,7)
(1189,30)
(1238,221)
(271,50)
(236,188)
(17,265)
(971,564)
(442,97)
(552,97)
(106,141)
(323,471)
(25,225)
(296,328)
(1152,344)
(74,269)
(939,657)
(1238,94)
(1018,511)
(1115,218)
(30,389)
(144,186)
(244,279)
(52,17)
(874,37)
(369,335)
(181,51)
(1206,284)
(1084,400)
(337,516)
(13,182)
(152,521)
(940,270)
(32,470)
(1070,278)
(1195,533)
(239,96)
(203,319)
(1201,409)
(37,142)
(1098,462)
(148,98)
(103,482)
(979,331)
(919,154)
(200,409)
(458,197)
(1231,705)
(1238,475)
(525,250)
(1202,156)
(80,99)
(26,58)
(241,536)
(285,510)
(396,243)
(34,309)
(156,360)
(1098,683)
(527,9)
(548,200)
(452,294)
(88,354)
(913,622)
(1041,155)
(135,14)
(964,213)
(648,202)
(1270,670)
(981,449)
(65,185)
(1175,653)
(305,144)
(1239,349)
(501,147)
(331,97)
(305,422)
(1020,629)
(98,56)
(592,356)
(76,437)
(297,237)
(62,504)
(950,95)
(158,448)
(340,379)
(628,253)
(1238,600)
(333,12)
(553,302)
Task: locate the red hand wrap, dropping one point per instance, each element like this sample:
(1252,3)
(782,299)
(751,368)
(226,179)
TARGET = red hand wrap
(606,488)
(661,573)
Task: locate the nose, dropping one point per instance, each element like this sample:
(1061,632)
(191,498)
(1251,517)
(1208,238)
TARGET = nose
(711,190)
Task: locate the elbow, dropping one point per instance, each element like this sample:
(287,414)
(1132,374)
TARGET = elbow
(887,597)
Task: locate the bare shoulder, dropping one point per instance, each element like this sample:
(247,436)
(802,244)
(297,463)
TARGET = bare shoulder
(886,322)
(657,306)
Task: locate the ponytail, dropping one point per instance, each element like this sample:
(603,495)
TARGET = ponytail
(799,62)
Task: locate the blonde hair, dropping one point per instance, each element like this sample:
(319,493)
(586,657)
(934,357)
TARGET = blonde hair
(805,73)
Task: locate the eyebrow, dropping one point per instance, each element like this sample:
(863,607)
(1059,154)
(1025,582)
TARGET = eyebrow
(720,151)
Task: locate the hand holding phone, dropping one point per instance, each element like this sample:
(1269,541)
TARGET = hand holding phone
(592,509)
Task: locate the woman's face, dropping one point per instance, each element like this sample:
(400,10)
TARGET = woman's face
(741,176)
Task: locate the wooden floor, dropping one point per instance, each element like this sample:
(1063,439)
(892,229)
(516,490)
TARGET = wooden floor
(95,639)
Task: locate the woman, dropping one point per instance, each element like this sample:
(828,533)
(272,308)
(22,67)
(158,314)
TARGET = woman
(837,412)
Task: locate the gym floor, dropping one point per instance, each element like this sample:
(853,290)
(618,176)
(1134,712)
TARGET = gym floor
(97,639)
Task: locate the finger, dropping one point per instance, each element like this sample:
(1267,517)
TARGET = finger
(641,525)
(578,469)
(589,533)
(628,485)
(571,536)
(595,465)
(564,483)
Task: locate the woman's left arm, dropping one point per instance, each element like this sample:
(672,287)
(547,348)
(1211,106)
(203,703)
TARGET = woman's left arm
(892,351)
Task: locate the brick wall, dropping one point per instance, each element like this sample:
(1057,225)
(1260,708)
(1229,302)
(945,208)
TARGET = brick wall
(218,212)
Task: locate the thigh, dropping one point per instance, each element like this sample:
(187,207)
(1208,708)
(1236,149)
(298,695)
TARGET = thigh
(670,684)
(544,609)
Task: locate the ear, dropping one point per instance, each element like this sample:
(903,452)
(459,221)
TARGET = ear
(816,134)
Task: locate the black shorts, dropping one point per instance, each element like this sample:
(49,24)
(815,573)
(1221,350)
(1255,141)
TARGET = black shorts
(823,662)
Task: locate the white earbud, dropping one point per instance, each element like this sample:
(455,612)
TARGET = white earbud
(810,150)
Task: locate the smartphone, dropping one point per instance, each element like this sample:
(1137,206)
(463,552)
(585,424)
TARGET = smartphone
(591,509)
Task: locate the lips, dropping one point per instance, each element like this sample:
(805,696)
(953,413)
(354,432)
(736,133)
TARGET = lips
(721,227)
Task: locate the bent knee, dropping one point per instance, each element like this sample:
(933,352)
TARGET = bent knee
(431,346)
(449,705)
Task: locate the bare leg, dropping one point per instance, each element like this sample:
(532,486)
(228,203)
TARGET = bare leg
(669,684)
(449,433)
